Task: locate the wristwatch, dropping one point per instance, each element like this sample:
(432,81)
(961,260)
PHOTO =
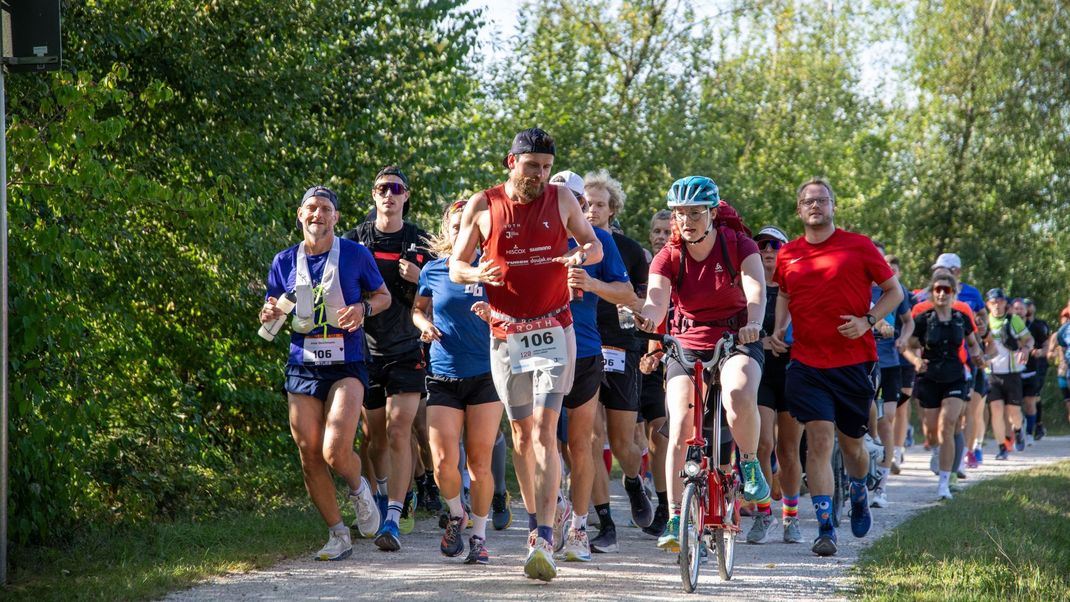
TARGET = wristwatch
(871,319)
(367,308)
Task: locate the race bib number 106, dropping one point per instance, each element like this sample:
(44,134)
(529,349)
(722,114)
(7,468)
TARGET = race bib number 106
(534,345)
(323,350)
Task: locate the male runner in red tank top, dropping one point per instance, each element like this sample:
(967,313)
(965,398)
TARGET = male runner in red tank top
(523,227)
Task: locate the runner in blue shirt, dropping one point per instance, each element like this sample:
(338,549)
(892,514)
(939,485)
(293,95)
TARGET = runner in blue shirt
(607,279)
(460,391)
(336,285)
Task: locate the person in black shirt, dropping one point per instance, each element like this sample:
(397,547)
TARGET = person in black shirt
(941,386)
(1036,370)
(395,354)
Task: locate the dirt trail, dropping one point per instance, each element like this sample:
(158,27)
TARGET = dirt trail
(774,571)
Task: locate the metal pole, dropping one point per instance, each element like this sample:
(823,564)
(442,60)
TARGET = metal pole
(3,326)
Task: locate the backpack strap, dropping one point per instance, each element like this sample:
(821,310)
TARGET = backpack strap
(729,258)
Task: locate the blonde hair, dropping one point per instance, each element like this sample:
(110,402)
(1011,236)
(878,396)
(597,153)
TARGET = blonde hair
(603,180)
(440,244)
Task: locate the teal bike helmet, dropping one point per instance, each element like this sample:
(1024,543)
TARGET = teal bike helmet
(693,190)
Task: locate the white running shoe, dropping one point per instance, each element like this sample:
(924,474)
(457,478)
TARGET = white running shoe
(562,520)
(339,546)
(540,561)
(368,517)
(577,547)
(943,492)
(879,498)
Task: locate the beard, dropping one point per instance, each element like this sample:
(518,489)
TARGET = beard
(527,188)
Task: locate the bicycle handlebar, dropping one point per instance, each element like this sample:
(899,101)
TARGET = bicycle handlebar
(720,351)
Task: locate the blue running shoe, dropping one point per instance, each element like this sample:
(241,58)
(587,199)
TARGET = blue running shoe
(1002,454)
(477,551)
(452,544)
(755,489)
(387,539)
(1019,440)
(909,442)
(861,520)
(979,455)
(825,544)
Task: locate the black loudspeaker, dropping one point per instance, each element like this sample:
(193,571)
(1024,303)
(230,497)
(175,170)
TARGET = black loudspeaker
(31,33)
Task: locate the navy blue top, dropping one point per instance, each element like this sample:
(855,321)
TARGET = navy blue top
(585,311)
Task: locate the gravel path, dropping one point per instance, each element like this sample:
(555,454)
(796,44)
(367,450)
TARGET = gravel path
(774,571)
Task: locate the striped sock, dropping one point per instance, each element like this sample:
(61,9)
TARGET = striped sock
(766,506)
(791,506)
(393,511)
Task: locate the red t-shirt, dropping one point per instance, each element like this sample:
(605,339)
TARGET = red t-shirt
(926,305)
(708,292)
(823,282)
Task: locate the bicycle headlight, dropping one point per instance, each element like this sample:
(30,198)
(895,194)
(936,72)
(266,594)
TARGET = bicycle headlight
(692,468)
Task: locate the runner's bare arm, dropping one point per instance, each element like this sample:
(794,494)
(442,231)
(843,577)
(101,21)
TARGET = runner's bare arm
(891,295)
(907,320)
(421,309)
(753,278)
(579,228)
(352,317)
(475,226)
(618,293)
(656,305)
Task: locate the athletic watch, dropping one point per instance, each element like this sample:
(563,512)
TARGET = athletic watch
(367,308)
(871,319)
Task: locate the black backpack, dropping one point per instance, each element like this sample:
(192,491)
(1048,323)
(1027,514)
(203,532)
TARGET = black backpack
(1007,337)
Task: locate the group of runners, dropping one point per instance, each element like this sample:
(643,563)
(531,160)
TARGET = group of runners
(525,302)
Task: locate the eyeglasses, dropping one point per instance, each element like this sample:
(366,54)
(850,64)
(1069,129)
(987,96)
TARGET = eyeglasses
(807,203)
(691,216)
(769,244)
(390,187)
(943,289)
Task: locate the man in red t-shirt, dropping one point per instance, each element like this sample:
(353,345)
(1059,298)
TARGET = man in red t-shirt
(523,226)
(825,279)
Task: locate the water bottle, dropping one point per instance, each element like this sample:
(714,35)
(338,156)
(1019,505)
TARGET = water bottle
(268,330)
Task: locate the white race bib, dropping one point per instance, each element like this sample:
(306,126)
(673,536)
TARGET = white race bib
(324,349)
(536,344)
(613,359)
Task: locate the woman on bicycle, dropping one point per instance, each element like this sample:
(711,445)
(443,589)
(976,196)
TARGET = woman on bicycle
(712,272)
(461,394)
(941,386)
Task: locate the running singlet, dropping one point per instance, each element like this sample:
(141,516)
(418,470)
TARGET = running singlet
(463,351)
(523,241)
(962,306)
(826,281)
(1005,361)
(358,274)
(942,343)
(707,293)
(585,310)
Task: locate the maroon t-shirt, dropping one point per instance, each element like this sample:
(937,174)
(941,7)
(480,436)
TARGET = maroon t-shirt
(707,292)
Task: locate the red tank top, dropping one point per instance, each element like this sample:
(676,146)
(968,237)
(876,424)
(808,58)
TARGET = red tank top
(523,241)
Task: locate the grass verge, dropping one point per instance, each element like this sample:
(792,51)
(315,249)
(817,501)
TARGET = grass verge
(1003,539)
(139,563)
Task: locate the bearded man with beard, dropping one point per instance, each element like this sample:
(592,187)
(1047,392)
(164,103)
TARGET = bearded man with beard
(522,228)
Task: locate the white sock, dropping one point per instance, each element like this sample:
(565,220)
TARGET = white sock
(884,471)
(339,528)
(456,508)
(479,526)
(393,510)
(945,478)
(362,486)
(579,521)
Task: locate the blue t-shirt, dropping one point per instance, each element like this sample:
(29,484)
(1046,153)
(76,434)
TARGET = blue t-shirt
(359,275)
(972,297)
(585,311)
(887,354)
(1063,338)
(464,350)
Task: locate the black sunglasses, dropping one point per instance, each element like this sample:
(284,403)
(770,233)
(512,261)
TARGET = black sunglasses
(769,244)
(391,187)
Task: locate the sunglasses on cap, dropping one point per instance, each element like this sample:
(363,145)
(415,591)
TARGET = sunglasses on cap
(769,243)
(456,207)
(390,187)
(943,289)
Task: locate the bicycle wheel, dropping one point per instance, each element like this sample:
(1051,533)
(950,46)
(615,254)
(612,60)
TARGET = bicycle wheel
(839,485)
(725,537)
(691,518)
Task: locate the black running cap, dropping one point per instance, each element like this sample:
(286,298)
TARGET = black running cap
(995,293)
(531,140)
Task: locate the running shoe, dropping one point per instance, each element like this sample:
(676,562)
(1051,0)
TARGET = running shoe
(909,442)
(532,536)
(971,460)
(979,455)
(338,547)
(367,511)
(953,483)
(1019,440)
(562,518)
(792,534)
(477,551)
(861,520)
(1028,440)
(500,513)
(387,539)
(433,501)
(943,492)
(961,475)
(825,544)
(452,545)
(382,502)
(1002,454)
(657,525)
(642,511)
(755,489)
(880,498)
(668,540)
(540,561)
(407,522)
(934,461)
(1039,431)
(606,541)
(577,548)
(761,529)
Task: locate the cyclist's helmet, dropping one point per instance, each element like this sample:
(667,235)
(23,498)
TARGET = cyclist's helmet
(693,190)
